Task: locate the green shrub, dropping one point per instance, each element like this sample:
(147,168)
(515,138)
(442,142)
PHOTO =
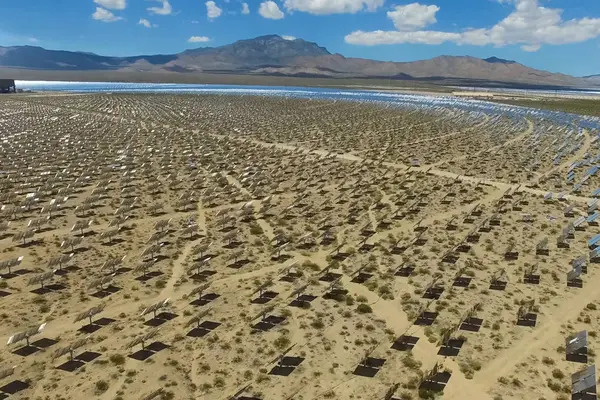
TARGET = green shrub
(101,387)
(364,308)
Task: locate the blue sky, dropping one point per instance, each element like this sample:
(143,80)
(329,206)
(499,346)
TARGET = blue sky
(557,35)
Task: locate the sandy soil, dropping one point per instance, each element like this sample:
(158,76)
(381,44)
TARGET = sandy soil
(286,237)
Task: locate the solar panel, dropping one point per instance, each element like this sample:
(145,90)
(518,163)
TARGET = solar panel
(190,230)
(109,233)
(230,235)
(71,242)
(593,217)
(38,222)
(263,313)
(41,278)
(144,266)
(543,244)
(151,250)
(111,263)
(59,260)
(7,372)
(89,313)
(592,170)
(579,221)
(593,241)
(161,225)
(155,307)
(263,286)
(202,248)
(156,236)
(118,221)
(237,254)
(100,281)
(82,224)
(200,289)
(70,348)
(23,235)
(26,334)
(298,291)
(142,338)
(574,274)
(579,262)
(13,262)
(576,342)
(198,318)
(153,395)
(584,381)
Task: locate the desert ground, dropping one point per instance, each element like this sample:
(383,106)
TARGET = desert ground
(245,247)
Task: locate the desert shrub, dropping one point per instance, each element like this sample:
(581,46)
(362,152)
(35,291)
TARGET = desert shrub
(281,342)
(410,362)
(101,386)
(317,324)
(426,394)
(364,308)
(219,382)
(117,359)
(547,361)
(255,229)
(558,374)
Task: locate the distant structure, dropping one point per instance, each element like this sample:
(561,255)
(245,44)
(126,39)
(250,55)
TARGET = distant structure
(474,95)
(7,86)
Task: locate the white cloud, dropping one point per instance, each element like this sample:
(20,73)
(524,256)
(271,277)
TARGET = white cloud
(323,7)
(269,9)
(531,47)
(212,11)
(112,4)
(413,16)
(396,37)
(146,23)
(104,15)
(33,40)
(165,8)
(245,8)
(198,39)
(529,25)
(287,37)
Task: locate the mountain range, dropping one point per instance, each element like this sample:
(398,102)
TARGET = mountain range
(275,56)
(593,78)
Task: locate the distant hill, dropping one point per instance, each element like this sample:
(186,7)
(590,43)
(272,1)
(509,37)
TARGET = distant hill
(33,57)
(273,55)
(593,79)
(496,60)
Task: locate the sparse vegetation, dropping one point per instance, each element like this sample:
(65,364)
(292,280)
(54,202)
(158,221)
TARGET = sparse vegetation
(271,252)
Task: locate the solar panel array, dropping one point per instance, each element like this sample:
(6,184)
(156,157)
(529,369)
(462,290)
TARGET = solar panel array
(320,207)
